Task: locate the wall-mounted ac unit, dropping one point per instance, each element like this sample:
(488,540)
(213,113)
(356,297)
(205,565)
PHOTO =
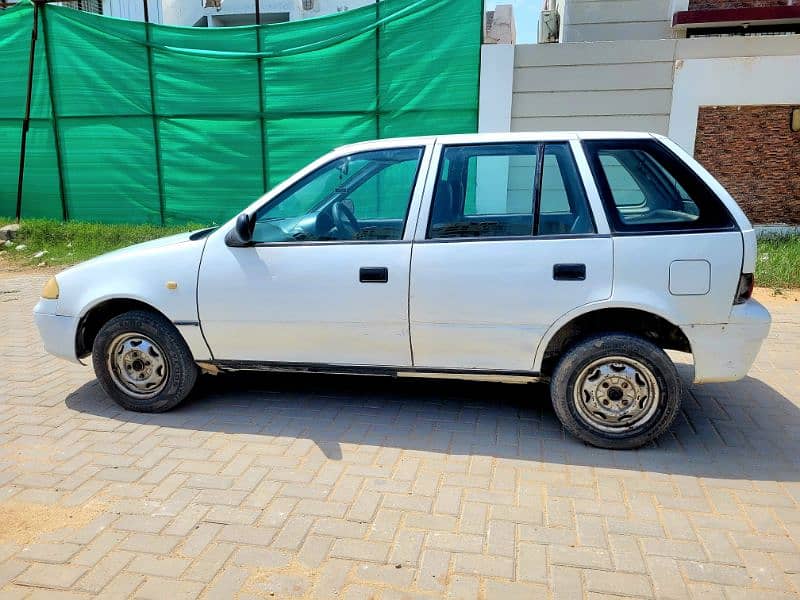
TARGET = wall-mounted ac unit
(548,26)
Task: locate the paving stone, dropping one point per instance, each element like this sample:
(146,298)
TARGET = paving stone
(324,487)
(386,574)
(588,558)
(156,588)
(227,584)
(211,562)
(463,587)
(50,576)
(360,550)
(487,566)
(625,584)
(49,553)
(150,543)
(263,558)
(141,523)
(674,549)
(566,583)
(9,569)
(159,566)
(407,547)
(102,574)
(434,570)
(314,551)
(532,563)
(505,590)
(713,573)
(666,578)
(332,577)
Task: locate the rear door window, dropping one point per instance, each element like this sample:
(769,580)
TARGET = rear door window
(509,190)
(563,208)
(645,187)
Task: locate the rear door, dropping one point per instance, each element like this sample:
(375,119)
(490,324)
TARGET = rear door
(505,245)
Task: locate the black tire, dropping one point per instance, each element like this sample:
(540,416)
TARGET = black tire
(180,368)
(577,420)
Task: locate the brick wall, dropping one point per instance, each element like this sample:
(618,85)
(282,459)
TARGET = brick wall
(754,154)
(705,4)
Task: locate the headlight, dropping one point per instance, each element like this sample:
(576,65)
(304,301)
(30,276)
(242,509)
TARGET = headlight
(50,289)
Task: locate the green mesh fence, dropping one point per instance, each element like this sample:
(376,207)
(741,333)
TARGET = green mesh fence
(151,123)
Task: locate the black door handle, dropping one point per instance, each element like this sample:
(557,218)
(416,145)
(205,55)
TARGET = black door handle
(569,272)
(373,275)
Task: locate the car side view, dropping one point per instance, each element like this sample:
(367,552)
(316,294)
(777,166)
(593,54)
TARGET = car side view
(573,258)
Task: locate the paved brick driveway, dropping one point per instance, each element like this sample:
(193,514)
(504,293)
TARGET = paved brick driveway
(369,488)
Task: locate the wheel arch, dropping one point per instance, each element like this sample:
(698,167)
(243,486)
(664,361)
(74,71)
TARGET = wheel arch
(592,320)
(95,316)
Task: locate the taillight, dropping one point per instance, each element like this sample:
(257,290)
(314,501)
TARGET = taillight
(745,289)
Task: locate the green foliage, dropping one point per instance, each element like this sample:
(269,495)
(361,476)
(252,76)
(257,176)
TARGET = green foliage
(778,263)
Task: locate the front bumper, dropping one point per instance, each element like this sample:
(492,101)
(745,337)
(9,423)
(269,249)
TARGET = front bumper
(57,331)
(725,352)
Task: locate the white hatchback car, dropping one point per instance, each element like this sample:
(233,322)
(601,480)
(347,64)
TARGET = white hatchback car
(571,257)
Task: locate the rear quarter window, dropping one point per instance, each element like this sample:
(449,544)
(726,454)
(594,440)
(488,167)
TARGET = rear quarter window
(645,187)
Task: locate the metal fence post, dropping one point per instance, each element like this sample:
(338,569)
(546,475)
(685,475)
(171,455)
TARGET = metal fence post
(262,121)
(26,121)
(54,111)
(156,125)
(377,69)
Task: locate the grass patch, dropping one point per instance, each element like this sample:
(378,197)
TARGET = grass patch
(778,264)
(72,242)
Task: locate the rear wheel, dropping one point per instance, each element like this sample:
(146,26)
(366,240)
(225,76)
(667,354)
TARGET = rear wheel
(616,391)
(143,363)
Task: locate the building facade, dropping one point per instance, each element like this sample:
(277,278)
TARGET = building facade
(218,13)
(720,77)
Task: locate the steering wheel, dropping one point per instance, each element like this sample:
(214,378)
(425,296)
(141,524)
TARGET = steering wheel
(344,220)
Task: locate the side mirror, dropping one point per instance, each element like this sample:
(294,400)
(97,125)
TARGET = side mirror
(242,233)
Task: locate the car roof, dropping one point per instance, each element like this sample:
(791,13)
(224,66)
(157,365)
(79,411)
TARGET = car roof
(482,138)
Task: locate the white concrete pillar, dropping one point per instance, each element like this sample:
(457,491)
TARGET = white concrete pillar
(496,88)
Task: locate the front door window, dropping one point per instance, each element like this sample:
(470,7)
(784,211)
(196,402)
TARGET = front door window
(360,197)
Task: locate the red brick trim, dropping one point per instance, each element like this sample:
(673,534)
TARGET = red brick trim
(716,16)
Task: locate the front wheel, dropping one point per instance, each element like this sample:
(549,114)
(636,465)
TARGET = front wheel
(143,363)
(616,391)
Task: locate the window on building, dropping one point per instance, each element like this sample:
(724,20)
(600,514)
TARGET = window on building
(744,31)
(92,6)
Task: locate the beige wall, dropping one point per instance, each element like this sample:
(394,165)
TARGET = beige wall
(648,85)
(598,20)
(599,86)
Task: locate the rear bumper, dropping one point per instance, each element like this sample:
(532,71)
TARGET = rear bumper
(726,352)
(57,331)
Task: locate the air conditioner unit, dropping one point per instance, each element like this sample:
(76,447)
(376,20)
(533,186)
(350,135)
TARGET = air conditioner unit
(548,26)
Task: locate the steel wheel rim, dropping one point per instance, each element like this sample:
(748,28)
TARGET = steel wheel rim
(137,365)
(616,394)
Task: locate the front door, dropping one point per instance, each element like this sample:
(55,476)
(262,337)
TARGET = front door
(326,279)
(510,247)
